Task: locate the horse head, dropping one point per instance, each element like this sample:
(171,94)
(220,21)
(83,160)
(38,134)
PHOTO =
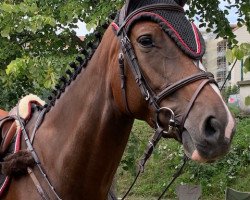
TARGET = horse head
(166,82)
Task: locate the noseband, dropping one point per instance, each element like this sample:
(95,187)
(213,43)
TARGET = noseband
(148,94)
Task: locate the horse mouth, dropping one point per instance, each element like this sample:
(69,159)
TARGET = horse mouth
(190,148)
(188,143)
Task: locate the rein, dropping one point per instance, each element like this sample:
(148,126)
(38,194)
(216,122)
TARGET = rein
(153,99)
(40,190)
(30,148)
(151,145)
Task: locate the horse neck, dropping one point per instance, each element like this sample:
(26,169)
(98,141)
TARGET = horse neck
(84,135)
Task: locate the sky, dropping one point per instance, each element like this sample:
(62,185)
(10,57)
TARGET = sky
(232,17)
(81,30)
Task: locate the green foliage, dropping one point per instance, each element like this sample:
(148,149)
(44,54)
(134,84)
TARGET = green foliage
(230,90)
(217,17)
(30,75)
(247,65)
(247,101)
(239,53)
(232,171)
(235,110)
(36,44)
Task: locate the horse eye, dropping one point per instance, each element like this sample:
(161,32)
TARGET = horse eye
(146,41)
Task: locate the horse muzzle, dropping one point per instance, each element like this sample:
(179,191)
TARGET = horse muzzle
(206,148)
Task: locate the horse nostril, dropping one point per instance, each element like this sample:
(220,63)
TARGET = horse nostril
(212,127)
(213,143)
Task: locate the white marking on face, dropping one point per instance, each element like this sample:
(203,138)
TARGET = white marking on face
(200,65)
(231,122)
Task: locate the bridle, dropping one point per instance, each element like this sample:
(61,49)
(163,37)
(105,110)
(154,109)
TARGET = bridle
(154,99)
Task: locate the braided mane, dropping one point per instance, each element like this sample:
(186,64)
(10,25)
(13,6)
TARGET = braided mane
(92,41)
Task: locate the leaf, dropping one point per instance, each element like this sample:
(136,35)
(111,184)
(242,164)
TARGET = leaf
(33,27)
(90,26)
(47,84)
(19,29)
(245,47)
(230,56)
(238,53)
(226,12)
(6,7)
(247,64)
(239,24)
(247,101)
(23,8)
(5,33)
(202,25)
(52,22)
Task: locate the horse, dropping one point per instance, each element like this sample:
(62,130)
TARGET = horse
(144,68)
(3,113)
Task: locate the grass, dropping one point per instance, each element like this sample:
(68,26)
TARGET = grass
(233,171)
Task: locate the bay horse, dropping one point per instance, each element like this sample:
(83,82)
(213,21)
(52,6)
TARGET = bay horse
(153,50)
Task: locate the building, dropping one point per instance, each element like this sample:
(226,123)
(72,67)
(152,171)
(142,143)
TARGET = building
(215,61)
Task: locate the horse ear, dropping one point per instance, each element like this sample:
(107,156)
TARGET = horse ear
(130,4)
(181,2)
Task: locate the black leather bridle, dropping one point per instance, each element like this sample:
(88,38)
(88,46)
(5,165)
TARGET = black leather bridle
(154,99)
(148,94)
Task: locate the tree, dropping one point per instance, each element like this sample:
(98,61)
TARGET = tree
(208,13)
(37,40)
(36,45)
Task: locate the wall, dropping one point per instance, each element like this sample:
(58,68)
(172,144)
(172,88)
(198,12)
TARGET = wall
(242,35)
(237,77)
(245,95)
(210,57)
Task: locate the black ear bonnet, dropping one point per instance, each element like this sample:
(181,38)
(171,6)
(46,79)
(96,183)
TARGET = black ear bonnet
(172,20)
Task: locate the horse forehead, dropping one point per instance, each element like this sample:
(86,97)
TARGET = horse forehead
(146,27)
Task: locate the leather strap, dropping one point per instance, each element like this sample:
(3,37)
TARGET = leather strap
(39,188)
(33,152)
(37,124)
(134,65)
(151,145)
(181,83)
(123,82)
(191,103)
(150,148)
